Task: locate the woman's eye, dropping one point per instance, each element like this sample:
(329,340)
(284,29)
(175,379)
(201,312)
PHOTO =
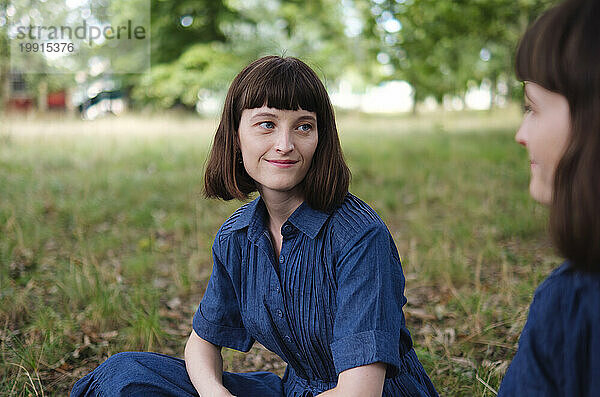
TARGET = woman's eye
(527,108)
(267,125)
(305,127)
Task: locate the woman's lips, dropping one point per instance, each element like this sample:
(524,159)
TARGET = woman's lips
(283,163)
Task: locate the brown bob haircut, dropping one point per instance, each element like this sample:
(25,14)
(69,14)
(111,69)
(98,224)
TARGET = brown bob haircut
(561,52)
(285,84)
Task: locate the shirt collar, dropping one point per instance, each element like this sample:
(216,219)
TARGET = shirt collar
(306,219)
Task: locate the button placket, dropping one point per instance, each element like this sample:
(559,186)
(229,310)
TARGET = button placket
(286,232)
(278,308)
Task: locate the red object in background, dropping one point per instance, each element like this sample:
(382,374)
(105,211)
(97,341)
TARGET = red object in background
(57,100)
(25,103)
(21,104)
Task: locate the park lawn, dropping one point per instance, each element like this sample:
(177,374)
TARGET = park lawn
(105,240)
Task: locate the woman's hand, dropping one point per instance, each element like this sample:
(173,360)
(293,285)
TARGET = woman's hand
(363,381)
(218,392)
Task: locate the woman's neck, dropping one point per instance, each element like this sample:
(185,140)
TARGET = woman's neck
(280,205)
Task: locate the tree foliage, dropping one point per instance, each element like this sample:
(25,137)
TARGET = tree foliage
(224,37)
(444,44)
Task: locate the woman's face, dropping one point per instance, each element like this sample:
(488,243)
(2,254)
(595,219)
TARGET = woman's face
(544,132)
(277,146)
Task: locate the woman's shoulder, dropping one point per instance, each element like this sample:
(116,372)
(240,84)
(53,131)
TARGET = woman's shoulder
(558,345)
(239,220)
(568,277)
(355,213)
(571,291)
(353,218)
(236,219)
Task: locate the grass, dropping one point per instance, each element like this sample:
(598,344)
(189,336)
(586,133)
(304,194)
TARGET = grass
(105,240)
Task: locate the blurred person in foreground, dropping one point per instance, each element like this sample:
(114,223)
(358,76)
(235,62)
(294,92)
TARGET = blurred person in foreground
(307,269)
(558,60)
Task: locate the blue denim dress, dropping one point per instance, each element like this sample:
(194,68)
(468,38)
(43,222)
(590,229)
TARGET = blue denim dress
(559,348)
(331,301)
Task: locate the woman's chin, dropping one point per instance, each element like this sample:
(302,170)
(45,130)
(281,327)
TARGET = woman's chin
(279,188)
(540,194)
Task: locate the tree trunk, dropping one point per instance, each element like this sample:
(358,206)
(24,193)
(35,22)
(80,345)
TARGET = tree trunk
(42,96)
(415,100)
(493,83)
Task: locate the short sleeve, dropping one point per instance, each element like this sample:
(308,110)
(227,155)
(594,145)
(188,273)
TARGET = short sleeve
(532,372)
(218,318)
(368,319)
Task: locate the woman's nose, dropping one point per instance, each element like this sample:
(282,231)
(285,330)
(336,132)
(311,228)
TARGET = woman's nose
(520,136)
(284,142)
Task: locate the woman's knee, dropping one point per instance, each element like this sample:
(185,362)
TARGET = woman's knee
(121,369)
(109,377)
(122,363)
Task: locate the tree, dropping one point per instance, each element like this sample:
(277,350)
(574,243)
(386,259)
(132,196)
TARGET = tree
(178,25)
(444,44)
(238,34)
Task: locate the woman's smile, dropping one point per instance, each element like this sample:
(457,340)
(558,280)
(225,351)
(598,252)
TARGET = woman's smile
(283,163)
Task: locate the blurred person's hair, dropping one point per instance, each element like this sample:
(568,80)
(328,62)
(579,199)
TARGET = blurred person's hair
(285,84)
(561,52)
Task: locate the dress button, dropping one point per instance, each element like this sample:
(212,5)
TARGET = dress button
(277,289)
(281,258)
(287,229)
(287,338)
(279,313)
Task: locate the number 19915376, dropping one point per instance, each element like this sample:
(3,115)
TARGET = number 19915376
(46,47)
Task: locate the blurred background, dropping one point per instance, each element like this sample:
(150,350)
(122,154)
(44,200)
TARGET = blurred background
(376,56)
(105,236)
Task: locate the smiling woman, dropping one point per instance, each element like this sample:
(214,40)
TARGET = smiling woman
(307,269)
(558,58)
(544,132)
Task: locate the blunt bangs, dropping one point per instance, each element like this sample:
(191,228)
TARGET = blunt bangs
(280,83)
(539,54)
(559,51)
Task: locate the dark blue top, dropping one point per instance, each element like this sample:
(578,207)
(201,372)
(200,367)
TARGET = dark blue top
(331,301)
(559,348)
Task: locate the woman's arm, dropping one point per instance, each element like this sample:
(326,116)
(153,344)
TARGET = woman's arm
(204,365)
(363,381)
